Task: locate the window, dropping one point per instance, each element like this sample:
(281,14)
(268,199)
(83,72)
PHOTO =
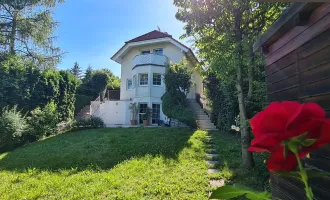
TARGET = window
(145,52)
(158,51)
(142,110)
(143,79)
(155,113)
(129,84)
(157,79)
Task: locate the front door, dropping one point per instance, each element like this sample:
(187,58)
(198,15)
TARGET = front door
(155,113)
(142,110)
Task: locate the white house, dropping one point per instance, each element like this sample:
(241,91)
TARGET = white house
(143,61)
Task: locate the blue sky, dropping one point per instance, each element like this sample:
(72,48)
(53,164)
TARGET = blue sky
(91,31)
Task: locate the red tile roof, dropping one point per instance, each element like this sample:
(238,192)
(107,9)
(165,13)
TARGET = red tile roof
(149,36)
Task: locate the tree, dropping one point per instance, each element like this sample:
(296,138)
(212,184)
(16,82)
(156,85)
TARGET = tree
(26,28)
(88,74)
(224,32)
(76,71)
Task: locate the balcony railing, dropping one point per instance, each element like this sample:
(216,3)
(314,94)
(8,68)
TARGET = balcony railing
(150,59)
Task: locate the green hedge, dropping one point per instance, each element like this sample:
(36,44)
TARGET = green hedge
(175,106)
(81,102)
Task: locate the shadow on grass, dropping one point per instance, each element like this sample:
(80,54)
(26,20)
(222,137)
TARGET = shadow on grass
(97,149)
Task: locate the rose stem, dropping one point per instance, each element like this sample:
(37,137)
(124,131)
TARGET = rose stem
(304,177)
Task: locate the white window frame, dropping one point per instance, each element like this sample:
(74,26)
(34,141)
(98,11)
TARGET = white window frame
(161,84)
(154,51)
(127,80)
(140,75)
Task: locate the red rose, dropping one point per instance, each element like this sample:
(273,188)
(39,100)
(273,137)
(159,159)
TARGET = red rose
(283,121)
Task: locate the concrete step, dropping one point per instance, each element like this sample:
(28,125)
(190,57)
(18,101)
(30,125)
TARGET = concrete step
(212,171)
(212,156)
(202,117)
(212,162)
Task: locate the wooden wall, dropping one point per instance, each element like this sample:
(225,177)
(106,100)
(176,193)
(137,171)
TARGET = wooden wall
(298,68)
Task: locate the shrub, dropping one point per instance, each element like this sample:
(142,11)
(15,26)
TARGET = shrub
(12,127)
(177,81)
(93,122)
(175,106)
(43,121)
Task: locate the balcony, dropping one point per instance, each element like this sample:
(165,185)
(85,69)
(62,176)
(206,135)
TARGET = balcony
(150,59)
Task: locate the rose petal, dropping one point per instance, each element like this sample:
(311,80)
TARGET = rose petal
(277,162)
(305,113)
(267,142)
(272,120)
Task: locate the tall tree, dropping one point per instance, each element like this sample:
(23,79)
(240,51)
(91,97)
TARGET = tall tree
(76,71)
(224,31)
(88,74)
(26,28)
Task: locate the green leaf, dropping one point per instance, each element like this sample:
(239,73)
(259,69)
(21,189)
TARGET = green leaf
(236,190)
(227,192)
(308,142)
(259,196)
(300,138)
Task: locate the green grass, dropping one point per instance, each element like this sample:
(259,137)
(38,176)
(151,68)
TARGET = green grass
(232,170)
(135,163)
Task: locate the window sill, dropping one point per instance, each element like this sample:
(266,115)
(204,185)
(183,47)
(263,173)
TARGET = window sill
(143,85)
(157,86)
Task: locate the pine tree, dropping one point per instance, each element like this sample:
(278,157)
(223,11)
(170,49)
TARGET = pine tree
(88,74)
(76,71)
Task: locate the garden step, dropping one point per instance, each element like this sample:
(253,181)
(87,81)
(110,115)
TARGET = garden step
(212,162)
(212,151)
(212,156)
(217,183)
(212,171)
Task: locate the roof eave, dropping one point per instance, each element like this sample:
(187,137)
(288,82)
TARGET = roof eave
(296,14)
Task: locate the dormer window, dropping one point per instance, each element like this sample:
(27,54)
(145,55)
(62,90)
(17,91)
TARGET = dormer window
(158,51)
(145,52)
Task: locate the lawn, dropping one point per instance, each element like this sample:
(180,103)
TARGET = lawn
(134,163)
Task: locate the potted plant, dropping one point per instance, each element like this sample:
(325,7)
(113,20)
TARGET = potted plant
(134,110)
(146,116)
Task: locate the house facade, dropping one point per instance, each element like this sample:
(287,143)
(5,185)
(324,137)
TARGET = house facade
(143,63)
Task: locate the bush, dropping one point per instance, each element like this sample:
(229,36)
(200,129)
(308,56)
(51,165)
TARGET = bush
(93,122)
(175,106)
(12,127)
(43,121)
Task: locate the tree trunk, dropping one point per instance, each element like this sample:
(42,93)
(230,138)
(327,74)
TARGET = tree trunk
(247,157)
(13,34)
(251,73)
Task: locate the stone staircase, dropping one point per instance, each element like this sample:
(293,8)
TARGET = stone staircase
(203,121)
(84,113)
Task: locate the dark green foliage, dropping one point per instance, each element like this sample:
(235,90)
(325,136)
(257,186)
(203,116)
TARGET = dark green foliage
(223,103)
(147,114)
(24,85)
(93,122)
(178,77)
(42,122)
(175,106)
(76,71)
(100,81)
(12,127)
(96,82)
(81,102)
